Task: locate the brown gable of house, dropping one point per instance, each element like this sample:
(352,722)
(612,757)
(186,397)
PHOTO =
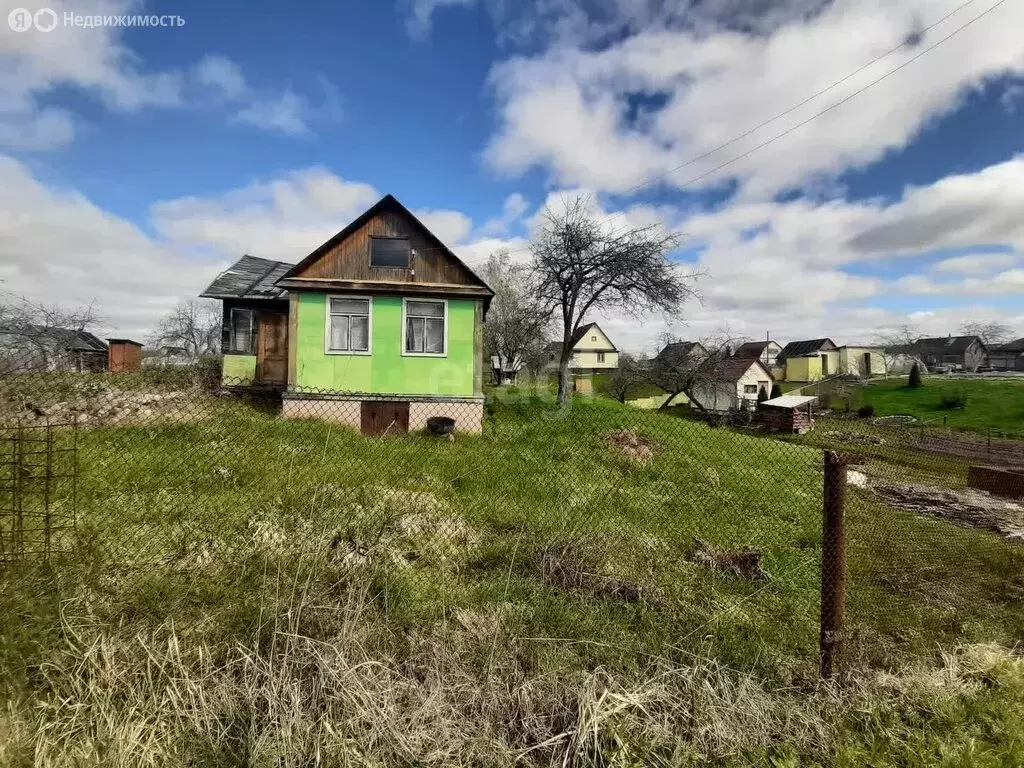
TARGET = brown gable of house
(344,260)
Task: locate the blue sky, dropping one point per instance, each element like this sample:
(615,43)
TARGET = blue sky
(137,162)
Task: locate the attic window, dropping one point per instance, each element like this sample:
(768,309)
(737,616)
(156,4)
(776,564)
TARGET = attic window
(390,252)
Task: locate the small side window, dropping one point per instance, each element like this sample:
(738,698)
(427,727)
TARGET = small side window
(242,339)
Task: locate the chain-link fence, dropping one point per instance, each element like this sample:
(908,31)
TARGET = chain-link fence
(599,522)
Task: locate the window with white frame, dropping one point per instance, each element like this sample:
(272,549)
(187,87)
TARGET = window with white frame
(241,338)
(600,357)
(425,327)
(750,389)
(348,324)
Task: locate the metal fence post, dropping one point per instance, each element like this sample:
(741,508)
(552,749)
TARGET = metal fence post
(833,561)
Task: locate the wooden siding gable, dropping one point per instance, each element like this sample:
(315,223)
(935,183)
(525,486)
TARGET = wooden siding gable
(346,256)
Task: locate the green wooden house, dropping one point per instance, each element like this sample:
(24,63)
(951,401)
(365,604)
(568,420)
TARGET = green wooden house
(379,328)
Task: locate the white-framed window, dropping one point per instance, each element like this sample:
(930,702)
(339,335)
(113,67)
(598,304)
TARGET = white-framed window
(348,325)
(242,337)
(425,324)
(750,389)
(600,357)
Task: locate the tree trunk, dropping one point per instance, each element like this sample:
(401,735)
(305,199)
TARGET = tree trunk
(564,379)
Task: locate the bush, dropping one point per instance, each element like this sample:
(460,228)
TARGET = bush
(866,411)
(762,395)
(950,401)
(776,390)
(914,380)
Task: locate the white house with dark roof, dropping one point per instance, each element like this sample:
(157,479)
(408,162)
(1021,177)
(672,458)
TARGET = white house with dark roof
(592,351)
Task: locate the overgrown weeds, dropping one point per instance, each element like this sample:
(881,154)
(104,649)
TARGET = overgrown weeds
(325,679)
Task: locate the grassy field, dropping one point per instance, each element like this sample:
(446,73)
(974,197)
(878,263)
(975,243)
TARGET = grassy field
(547,593)
(991,404)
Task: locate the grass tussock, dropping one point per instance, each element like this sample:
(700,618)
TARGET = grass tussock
(324,679)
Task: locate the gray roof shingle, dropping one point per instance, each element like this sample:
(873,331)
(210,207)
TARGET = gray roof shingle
(249,278)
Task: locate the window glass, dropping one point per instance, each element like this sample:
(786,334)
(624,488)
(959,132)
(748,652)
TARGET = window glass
(750,389)
(424,327)
(242,331)
(349,325)
(389,252)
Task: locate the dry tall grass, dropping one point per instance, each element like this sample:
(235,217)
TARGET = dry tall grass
(468,692)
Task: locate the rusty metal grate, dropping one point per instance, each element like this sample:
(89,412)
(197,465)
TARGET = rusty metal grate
(38,488)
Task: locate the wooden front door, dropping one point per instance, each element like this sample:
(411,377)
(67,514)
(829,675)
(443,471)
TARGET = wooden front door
(272,348)
(384,418)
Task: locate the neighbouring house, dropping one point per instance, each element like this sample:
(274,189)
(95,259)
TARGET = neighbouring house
(861,361)
(732,383)
(38,348)
(765,351)
(166,356)
(960,353)
(809,360)
(379,328)
(788,413)
(680,352)
(592,352)
(1007,357)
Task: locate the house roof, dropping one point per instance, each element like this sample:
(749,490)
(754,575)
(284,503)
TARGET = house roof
(577,337)
(945,345)
(388,202)
(733,369)
(681,348)
(789,401)
(249,278)
(752,349)
(1012,347)
(125,341)
(804,348)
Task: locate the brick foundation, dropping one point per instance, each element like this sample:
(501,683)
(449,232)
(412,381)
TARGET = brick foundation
(468,414)
(997,481)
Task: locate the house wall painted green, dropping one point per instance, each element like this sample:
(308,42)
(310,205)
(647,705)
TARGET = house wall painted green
(385,370)
(238,370)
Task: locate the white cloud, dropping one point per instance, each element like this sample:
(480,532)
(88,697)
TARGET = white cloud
(96,61)
(61,248)
(276,111)
(511,211)
(420,18)
(222,75)
(1009,282)
(281,219)
(574,110)
(451,227)
(973,264)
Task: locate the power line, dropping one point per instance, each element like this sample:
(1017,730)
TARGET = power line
(813,117)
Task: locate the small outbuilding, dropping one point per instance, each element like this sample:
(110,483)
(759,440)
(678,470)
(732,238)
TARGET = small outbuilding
(789,413)
(123,355)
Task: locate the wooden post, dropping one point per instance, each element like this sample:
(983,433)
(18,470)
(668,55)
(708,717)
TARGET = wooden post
(833,562)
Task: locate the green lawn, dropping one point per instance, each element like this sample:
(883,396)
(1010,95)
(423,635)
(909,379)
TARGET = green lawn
(560,554)
(991,404)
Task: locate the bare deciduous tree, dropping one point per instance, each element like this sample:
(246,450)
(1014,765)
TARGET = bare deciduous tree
(584,265)
(991,332)
(517,319)
(37,336)
(194,326)
(684,368)
(896,343)
(627,378)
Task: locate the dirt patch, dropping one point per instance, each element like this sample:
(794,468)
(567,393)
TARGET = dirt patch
(634,447)
(966,506)
(569,565)
(745,562)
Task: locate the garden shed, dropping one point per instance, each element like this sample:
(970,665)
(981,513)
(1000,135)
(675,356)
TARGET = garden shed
(788,413)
